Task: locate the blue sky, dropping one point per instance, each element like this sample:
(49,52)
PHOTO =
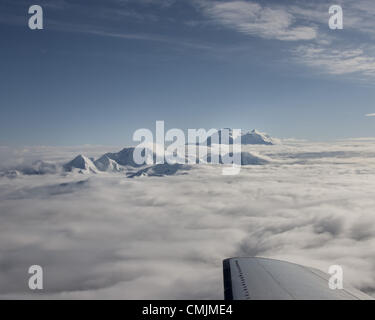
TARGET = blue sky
(99,70)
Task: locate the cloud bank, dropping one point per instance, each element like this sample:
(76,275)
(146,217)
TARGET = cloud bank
(108,236)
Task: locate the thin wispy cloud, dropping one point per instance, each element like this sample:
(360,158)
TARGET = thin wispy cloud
(335,61)
(308,23)
(253,19)
(304,26)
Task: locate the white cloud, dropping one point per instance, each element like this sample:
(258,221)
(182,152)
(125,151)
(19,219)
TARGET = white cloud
(253,19)
(337,61)
(326,51)
(282,19)
(112,237)
(359,16)
(370,115)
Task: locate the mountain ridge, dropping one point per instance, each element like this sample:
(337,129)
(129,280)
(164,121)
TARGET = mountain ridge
(123,162)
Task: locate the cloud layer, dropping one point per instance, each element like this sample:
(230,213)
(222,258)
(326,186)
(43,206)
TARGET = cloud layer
(107,236)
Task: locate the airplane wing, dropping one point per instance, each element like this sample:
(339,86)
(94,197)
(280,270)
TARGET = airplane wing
(268,279)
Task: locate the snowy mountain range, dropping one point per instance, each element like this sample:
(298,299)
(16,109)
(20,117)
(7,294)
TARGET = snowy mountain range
(245,138)
(122,161)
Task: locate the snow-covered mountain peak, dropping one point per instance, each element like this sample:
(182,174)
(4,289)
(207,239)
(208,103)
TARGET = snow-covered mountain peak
(257,137)
(82,163)
(104,163)
(245,137)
